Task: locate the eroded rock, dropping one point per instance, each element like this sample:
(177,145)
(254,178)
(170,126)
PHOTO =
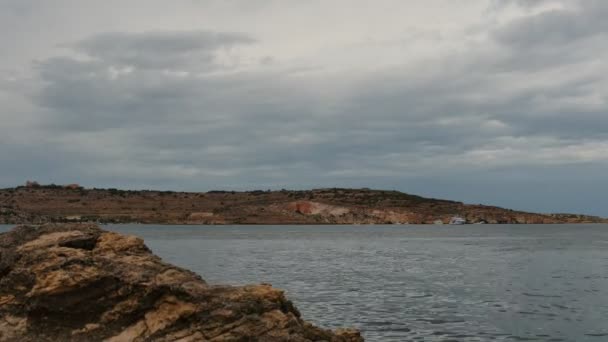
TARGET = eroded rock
(76,282)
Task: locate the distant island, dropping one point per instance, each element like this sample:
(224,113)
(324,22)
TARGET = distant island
(37,204)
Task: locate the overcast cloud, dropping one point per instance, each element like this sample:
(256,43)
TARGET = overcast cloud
(485,101)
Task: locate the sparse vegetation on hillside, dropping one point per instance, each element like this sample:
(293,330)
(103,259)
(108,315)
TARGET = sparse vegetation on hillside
(55,203)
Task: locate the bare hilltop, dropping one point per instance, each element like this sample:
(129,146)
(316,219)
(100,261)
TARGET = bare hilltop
(36,204)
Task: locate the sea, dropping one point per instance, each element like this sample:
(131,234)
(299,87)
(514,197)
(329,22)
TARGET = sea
(411,282)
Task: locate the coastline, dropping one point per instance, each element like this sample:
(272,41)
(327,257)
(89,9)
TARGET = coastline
(334,206)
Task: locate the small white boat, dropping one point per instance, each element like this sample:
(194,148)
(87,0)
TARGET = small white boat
(458,220)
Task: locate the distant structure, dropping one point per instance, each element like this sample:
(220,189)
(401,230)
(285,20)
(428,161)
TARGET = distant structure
(73,186)
(32,184)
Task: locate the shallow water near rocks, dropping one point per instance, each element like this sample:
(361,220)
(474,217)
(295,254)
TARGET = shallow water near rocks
(413,283)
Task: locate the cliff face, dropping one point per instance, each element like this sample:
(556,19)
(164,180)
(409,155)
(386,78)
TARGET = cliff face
(323,206)
(76,282)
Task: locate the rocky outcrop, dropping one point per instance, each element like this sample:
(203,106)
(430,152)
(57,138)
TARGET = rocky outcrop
(76,282)
(315,208)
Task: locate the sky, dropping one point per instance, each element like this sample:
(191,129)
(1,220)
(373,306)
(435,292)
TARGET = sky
(500,102)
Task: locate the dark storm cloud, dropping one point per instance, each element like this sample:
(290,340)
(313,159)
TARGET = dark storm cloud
(559,36)
(130,78)
(160,50)
(270,118)
(555,56)
(561,27)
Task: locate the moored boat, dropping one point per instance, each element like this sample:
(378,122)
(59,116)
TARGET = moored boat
(458,220)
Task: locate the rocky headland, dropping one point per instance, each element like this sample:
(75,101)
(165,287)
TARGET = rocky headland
(36,204)
(76,282)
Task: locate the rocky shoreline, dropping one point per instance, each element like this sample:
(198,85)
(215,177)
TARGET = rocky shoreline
(77,282)
(36,204)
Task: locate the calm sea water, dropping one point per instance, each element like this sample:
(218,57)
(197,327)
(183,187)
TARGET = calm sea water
(414,283)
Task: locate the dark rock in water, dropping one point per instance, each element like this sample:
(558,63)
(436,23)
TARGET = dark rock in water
(76,282)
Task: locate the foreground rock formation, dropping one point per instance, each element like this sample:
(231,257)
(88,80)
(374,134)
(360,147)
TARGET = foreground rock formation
(37,204)
(76,282)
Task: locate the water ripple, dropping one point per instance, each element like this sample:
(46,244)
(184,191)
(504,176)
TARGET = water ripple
(414,283)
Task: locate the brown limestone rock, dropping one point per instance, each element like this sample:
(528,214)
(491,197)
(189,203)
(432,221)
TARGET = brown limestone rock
(77,282)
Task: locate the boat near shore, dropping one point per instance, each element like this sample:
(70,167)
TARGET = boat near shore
(457,220)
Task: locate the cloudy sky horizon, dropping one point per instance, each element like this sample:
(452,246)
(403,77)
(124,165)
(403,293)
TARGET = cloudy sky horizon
(481,101)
